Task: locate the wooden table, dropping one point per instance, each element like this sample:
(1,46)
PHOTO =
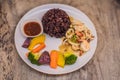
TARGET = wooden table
(105,65)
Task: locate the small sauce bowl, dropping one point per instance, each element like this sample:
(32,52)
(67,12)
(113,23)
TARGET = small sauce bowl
(32,28)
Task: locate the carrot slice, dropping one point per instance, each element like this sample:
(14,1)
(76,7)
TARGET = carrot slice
(40,47)
(54,58)
(37,49)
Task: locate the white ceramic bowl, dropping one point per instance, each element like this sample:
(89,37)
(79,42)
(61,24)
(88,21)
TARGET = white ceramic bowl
(31,20)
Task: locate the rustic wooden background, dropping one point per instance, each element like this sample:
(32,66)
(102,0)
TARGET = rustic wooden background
(105,65)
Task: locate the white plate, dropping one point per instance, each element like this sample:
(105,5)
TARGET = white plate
(53,43)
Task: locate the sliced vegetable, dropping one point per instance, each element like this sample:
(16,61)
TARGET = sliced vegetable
(33,58)
(61,60)
(40,47)
(37,40)
(44,58)
(70,59)
(67,54)
(54,58)
(26,42)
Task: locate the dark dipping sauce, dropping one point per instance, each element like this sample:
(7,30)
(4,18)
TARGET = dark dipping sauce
(32,28)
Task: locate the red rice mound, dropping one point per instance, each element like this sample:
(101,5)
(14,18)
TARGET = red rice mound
(56,22)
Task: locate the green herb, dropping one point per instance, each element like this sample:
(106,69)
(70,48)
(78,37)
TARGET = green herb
(74,38)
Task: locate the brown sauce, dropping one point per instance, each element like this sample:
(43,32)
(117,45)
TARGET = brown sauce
(32,28)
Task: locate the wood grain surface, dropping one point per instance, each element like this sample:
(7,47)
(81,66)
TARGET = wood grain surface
(105,65)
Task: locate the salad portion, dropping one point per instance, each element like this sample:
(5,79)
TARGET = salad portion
(76,38)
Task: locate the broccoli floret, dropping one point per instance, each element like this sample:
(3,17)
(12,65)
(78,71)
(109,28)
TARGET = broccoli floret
(33,58)
(70,59)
